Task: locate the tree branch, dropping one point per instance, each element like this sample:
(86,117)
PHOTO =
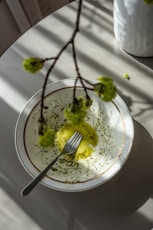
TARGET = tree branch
(55,59)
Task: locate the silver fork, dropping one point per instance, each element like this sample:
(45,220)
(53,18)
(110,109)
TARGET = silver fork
(69,148)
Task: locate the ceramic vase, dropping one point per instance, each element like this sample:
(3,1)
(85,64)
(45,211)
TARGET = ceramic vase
(133,26)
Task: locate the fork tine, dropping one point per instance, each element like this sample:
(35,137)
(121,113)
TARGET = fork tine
(77,140)
(76,136)
(72,137)
(72,147)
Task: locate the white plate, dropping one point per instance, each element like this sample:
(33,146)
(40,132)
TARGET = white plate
(114,127)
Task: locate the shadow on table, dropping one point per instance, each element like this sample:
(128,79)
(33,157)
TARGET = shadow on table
(122,195)
(147,61)
(144,105)
(102,206)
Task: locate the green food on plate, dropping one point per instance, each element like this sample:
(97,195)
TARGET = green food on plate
(89,141)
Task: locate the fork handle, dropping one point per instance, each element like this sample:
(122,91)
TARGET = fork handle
(37,179)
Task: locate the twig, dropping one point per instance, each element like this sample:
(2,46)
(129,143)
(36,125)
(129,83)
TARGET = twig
(55,59)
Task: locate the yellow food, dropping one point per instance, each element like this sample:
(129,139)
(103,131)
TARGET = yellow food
(88,142)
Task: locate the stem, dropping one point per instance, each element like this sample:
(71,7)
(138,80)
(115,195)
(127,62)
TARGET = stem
(74,90)
(55,59)
(78,72)
(88,82)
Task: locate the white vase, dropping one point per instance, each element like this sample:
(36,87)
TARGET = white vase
(133,26)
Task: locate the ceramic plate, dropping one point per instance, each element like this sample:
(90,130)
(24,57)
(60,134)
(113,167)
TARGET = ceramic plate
(113,125)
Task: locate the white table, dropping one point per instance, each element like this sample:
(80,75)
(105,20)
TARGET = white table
(126,202)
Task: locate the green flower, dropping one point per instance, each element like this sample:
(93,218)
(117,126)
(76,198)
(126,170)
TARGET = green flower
(77,111)
(33,64)
(105,88)
(46,139)
(126,76)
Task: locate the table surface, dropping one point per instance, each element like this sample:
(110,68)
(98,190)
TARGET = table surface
(125,202)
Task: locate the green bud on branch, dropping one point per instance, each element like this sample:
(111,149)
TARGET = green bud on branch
(77,111)
(46,139)
(33,65)
(105,88)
